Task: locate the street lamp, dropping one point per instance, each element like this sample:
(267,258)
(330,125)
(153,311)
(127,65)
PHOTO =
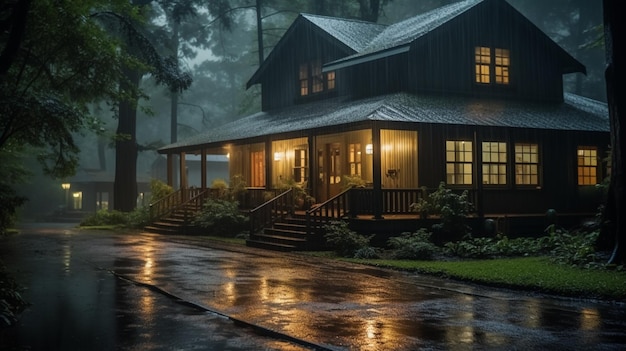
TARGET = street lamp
(66,187)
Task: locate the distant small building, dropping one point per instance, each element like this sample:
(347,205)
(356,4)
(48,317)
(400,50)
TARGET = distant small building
(92,190)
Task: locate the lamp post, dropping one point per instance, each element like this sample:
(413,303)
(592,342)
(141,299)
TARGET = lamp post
(66,187)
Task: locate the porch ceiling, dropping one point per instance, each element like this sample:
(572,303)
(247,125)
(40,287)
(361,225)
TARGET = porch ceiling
(576,114)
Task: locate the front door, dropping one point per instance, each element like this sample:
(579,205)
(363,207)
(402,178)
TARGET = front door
(330,171)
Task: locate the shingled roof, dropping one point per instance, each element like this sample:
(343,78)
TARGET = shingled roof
(576,113)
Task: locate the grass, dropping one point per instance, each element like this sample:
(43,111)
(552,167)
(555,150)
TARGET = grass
(525,273)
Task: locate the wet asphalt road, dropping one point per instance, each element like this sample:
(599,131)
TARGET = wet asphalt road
(105,291)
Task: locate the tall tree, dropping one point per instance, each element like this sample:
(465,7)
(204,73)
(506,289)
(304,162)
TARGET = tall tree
(615,74)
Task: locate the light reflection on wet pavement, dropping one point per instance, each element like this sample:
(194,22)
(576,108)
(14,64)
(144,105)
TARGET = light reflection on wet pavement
(334,305)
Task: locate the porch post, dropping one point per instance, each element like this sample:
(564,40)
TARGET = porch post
(313,166)
(170,170)
(478,198)
(203,169)
(183,175)
(376,173)
(269,158)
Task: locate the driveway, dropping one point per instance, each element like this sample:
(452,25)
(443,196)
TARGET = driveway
(102,290)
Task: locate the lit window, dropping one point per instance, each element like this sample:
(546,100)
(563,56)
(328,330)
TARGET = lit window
(354,158)
(483,61)
(502,66)
(459,162)
(488,66)
(587,166)
(494,163)
(304,79)
(526,164)
(300,165)
(313,81)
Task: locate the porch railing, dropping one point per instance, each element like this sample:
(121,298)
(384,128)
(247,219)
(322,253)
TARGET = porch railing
(269,212)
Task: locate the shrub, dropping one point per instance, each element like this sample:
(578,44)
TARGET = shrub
(413,246)
(221,218)
(366,253)
(575,249)
(452,208)
(105,217)
(9,203)
(159,190)
(139,217)
(344,241)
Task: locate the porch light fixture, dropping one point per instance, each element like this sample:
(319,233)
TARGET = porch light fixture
(369,149)
(278,156)
(65,186)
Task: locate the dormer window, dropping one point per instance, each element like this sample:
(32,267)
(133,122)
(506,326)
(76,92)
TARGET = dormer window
(313,80)
(492,65)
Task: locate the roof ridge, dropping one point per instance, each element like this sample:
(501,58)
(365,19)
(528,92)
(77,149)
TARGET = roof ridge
(305,14)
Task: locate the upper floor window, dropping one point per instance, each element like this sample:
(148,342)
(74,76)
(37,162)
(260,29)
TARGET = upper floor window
(313,80)
(494,163)
(526,164)
(587,165)
(492,65)
(458,162)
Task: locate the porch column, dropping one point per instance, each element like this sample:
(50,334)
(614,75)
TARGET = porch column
(313,166)
(377,201)
(170,170)
(478,199)
(269,158)
(183,175)
(203,169)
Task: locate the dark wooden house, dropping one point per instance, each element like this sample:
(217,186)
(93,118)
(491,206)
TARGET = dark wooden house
(470,94)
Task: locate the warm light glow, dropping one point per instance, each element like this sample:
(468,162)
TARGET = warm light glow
(228,155)
(76,195)
(369,149)
(65,186)
(278,156)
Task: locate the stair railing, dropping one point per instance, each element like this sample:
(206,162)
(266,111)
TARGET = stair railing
(165,205)
(269,212)
(197,197)
(332,209)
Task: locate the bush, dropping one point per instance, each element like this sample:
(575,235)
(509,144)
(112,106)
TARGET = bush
(159,190)
(139,217)
(413,246)
(9,202)
(105,217)
(344,241)
(366,253)
(575,249)
(452,209)
(221,217)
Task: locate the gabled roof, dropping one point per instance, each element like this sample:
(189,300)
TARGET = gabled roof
(397,38)
(353,35)
(576,113)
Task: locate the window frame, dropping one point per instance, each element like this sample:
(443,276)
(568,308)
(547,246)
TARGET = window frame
(527,164)
(491,66)
(458,167)
(312,81)
(588,178)
(501,164)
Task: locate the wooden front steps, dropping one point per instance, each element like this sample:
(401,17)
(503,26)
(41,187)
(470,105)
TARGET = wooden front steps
(173,224)
(287,235)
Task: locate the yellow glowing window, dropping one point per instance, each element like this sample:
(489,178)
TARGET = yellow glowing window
(526,164)
(458,162)
(312,80)
(587,165)
(492,65)
(304,79)
(494,163)
(483,63)
(502,63)
(330,80)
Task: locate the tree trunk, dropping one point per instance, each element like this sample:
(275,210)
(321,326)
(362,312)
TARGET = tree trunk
(125,187)
(615,76)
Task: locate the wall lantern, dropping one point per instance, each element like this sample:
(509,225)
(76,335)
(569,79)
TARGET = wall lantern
(278,156)
(369,149)
(65,186)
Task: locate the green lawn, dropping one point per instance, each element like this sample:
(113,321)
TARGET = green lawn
(527,273)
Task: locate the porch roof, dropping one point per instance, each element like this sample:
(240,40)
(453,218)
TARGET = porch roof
(576,113)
